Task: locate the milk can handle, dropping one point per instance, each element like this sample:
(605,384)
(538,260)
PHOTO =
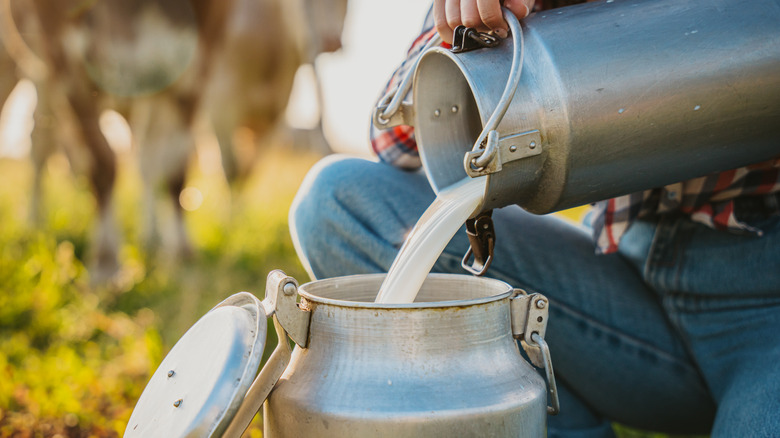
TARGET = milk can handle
(281,294)
(552,388)
(390,103)
(485,147)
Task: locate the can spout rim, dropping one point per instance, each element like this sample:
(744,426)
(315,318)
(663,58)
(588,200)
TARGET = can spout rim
(438,291)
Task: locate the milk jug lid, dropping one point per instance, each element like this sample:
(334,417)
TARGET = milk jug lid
(201,383)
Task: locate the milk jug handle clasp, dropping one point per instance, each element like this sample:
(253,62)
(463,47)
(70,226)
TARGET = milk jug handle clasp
(482,242)
(552,388)
(485,148)
(467,38)
(529,313)
(291,323)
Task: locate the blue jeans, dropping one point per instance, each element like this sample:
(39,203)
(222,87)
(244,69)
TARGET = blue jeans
(678,332)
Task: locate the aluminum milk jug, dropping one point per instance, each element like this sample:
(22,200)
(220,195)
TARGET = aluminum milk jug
(598,100)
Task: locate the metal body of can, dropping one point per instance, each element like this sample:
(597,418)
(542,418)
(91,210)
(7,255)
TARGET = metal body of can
(614,97)
(436,369)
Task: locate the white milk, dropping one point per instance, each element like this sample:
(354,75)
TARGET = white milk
(428,238)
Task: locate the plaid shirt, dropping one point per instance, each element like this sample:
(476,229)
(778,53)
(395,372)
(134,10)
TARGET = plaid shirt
(709,200)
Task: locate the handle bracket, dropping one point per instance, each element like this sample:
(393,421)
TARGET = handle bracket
(529,324)
(482,241)
(529,316)
(465,39)
(385,114)
(281,300)
(404,115)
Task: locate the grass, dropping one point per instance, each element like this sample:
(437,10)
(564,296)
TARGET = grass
(75,358)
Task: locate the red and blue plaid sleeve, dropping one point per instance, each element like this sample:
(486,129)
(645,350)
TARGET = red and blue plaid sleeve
(708,200)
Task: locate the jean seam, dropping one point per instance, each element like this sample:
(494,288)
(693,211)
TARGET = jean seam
(663,266)
(638,343)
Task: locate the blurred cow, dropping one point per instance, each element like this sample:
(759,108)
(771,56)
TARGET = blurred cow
(266,41)
(121,54)
(8,77)
(48,135)
(150,60)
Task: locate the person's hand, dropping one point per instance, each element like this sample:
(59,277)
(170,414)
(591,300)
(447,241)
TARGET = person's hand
(483,15)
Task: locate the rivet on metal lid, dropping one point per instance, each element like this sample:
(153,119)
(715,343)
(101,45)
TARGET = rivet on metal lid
(289,288)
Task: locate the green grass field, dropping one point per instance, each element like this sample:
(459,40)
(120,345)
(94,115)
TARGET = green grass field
(74,358)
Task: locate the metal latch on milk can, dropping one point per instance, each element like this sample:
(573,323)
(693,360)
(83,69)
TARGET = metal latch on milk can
(529,324)
(467,38)
(482,242)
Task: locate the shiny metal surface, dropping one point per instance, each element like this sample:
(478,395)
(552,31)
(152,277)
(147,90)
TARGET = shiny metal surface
(552,388)
(200,384)
(627,95)
(445,366)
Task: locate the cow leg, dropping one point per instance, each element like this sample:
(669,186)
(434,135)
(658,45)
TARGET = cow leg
(224,128)
(41,148)
(7,81)
(140,119)
(102,176)
(82,96)
(223,108)
(316,141)
(44,143)
(164,141)
(176,183)
(187,105)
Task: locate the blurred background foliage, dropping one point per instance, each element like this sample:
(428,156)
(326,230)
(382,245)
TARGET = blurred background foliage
(74,358)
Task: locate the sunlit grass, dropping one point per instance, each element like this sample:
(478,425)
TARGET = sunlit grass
(73,358)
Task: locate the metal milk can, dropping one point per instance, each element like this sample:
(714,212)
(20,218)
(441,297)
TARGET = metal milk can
(597,100)
(445,365)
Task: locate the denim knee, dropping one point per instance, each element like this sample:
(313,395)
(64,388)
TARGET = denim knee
(351,215)
(312,211)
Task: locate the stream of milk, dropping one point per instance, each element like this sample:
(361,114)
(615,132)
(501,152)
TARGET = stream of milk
(451,208)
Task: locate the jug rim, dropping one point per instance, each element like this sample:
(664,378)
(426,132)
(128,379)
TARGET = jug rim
(481,291)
